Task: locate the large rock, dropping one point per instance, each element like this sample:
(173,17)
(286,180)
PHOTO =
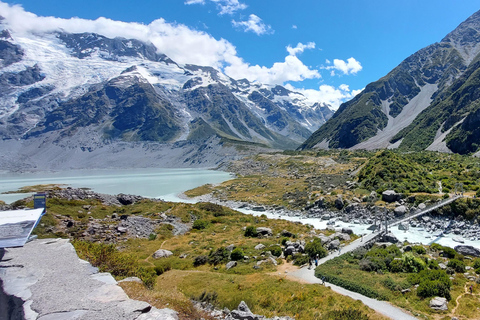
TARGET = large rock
(347,230)
(260,246)
(468,251)
(400,210)
(439,303)
(339,203)
(264,231)
(334,245)
(391,196)
(162,253)
(231,264)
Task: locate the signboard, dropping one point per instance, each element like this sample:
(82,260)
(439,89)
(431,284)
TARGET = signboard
(17,225)
(39,200)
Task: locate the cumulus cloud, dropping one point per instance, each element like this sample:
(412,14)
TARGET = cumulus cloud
(351,66)
(300,48)
(327,94)
(253,24)
(292,69)
(223,6)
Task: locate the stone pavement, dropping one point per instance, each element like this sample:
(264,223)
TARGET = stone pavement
(45,280)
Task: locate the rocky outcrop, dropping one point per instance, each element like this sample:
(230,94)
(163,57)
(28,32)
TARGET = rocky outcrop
(54,283)
(439,303)
(162,253)
(468,251)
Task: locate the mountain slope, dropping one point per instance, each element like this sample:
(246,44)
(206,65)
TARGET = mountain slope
(88,92)
(407,108)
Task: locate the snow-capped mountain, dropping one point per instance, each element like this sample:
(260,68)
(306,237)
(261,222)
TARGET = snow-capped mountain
(78,93)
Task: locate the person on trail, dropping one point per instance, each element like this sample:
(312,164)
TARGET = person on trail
(339,251)
(471,289)
(323,280)
(316,262)
(309,263)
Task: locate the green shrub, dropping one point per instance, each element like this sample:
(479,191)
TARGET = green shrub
(419,249)
(284,241)
(276,251)
(200,224)
(251,231)
(477,271)
(200,260)
(216,209)
(221,255)
(396,266)
(432,288)
(152,236)
(315,248)
(300,259)
(237,254)
(457,265)
(412,263)
(476,263)
(448,252)
(433,264)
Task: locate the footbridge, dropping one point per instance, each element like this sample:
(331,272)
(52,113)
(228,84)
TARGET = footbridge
(419,213)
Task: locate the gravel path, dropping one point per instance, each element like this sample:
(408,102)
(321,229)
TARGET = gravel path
(382,307)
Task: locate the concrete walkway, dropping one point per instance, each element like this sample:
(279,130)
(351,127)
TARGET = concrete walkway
(46,280)
(382,307)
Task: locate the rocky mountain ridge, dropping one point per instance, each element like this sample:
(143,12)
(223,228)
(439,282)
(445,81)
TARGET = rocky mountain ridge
(427,102)
(87,92)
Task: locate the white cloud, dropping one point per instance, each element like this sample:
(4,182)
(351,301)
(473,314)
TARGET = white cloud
(292,69)
(300,48)
(294,26)
(351,66)
(327,94)
(253,24)
(195,2)
(223,6)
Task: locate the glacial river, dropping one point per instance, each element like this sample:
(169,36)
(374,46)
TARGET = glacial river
(168,183)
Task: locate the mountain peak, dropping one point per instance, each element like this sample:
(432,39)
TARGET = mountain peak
(466,38)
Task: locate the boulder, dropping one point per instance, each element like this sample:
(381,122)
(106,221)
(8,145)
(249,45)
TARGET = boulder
(439,303)
(390,196)
(403,226)
(334,245)
(290,250)
(342,236)
(422,206)
(468,251)
(339,203)
(347,231)
(162,253)
(286,233)
(389,237)
(260,246)
(231,264)
(243,312)
(400,210)
(230,247)
(264,231)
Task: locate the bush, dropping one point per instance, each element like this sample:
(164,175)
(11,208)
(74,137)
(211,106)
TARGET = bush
(419,249)
(476,263)
(448,252)
(456,265)
(152,236)
(237,254)
(433,264)
(218,256)
(412,263)
(200,260)
(216,209)
(251,231)
(432,288)
(200,224)
(315,247)
(276,251)
(396,266)
(284,241)
(300,259)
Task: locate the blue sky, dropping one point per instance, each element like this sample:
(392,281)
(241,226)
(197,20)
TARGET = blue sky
(320,46)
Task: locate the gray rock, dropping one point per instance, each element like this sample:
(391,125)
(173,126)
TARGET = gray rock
(439,303)
(468,251)
(403,226)
(162,253)
(264,231)
(286,233)
(230,247)
(339,203)
(259,246)
(334,245)
(131,279)
(347,231)
(400,210)
(422,206)
(230,265)
(159,314)
(390,196)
